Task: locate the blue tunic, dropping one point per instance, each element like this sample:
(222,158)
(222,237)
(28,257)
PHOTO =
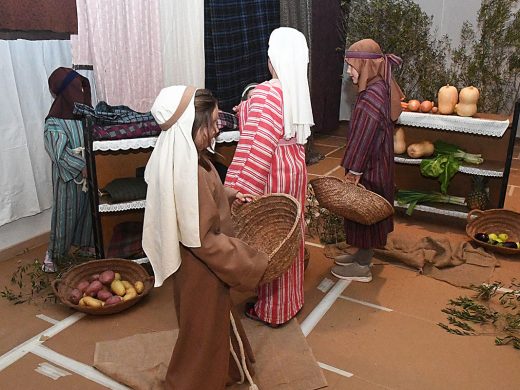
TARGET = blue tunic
(71,222)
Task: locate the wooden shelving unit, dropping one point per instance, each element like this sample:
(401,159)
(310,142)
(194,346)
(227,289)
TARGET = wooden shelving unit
(493,136)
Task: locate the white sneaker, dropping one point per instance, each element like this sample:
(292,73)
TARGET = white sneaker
(353,271)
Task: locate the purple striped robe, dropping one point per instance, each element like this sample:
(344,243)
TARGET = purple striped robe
(370,151)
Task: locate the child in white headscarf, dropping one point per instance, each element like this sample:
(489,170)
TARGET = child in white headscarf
(270,157)
(188,233)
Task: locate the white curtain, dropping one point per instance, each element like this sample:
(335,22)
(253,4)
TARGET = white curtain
(25,168)
(182,31)
(122,40)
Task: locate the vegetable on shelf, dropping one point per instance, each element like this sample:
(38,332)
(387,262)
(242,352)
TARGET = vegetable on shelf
(413,105)
(446,163)
(420,149)
(467,105)
(411,198)
(442,147)
(399,141)
(447,98)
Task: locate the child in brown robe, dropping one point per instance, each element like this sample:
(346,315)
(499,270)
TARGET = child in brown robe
(212,349)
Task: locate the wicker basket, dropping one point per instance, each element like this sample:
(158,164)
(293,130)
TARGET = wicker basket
(494,221)
(128,269)
(352,202)
(271,224)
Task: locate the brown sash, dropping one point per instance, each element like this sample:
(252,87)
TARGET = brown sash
(185,101)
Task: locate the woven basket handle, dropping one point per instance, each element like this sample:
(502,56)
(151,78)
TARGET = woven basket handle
(474,214)
(54,286)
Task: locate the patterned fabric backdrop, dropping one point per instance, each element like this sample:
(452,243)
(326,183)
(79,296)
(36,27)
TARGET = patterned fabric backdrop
(236,35)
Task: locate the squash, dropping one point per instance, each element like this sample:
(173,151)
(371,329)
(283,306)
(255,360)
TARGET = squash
(399,142)
(447,99)
(420,149)
(468,98)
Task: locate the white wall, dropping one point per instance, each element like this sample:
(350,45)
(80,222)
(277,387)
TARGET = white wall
(24,229)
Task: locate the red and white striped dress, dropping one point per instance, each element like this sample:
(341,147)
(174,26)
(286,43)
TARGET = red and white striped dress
(265,163)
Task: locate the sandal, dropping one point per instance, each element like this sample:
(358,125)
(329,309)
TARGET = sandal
(251,314)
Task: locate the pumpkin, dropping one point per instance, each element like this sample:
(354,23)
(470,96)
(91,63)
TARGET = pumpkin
(447,98)
(467,105)
(420,149)
(399,142)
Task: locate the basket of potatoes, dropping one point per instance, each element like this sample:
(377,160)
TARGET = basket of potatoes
(103,286)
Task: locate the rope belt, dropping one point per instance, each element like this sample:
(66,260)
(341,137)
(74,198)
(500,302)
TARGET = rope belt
(241,364)
(80,150)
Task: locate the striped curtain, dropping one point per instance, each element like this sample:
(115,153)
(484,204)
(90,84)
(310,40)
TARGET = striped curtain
(236,35)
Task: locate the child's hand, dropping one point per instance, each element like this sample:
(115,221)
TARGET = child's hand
(351,178)
(244,198)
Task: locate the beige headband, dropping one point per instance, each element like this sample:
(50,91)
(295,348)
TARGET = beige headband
(185,101)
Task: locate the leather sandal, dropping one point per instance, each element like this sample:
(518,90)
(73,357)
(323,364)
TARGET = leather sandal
(251,314)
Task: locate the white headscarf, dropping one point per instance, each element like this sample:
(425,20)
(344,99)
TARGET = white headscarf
(172,207)
(289,56)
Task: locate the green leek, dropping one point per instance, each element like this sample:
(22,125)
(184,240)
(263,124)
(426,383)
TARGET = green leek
(411,198)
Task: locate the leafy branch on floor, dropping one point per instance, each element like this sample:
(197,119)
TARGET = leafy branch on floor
(30,284)
(321,223)
(478,311)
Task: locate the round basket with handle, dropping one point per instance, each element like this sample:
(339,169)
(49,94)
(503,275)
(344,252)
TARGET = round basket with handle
(128,270)
(494,221)
(270,224)
(352,202)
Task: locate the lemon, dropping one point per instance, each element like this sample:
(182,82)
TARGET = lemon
(493,237)
(503,236)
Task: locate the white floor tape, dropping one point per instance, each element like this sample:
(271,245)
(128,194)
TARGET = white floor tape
(321,309)
(51,371)
(21,350)
(364,303)
(335,370)
(79,368)
(47,318)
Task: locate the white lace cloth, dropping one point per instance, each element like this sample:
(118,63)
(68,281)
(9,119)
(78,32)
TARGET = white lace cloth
(123,206)
(149,142)
(454,123)
(463,168)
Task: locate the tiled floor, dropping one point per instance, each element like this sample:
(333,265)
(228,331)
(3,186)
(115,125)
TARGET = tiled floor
(378,335)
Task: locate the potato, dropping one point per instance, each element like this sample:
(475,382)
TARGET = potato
(127,284)
(93,288)
(93,277)
(93,302)
(107,277)
(103,295)
(113,300)
(82,302)
(82,286)
(139,286)
(117,276)
(75,296)
(130,294)
(117,288)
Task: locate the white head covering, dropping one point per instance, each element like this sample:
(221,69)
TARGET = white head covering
(289,56)
(172,207)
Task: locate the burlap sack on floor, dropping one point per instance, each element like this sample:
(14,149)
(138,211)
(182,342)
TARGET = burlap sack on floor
(455,262)
(284,361)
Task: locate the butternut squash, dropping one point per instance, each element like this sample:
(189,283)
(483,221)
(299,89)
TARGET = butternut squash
(399,141)
(447,99)
(468,98)
(420,149)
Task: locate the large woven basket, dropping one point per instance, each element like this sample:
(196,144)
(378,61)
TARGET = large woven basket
(352,202)
(494,221)
(129,270)
(271,224)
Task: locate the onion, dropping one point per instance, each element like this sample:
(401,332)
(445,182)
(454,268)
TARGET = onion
(426,106)
(413,105)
